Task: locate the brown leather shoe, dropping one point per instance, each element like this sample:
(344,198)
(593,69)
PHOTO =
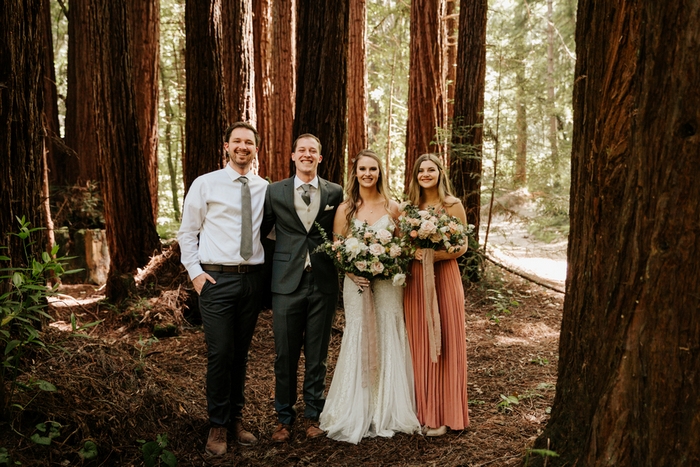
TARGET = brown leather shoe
(243,436)
(313,431)
(216,443)
(282,433)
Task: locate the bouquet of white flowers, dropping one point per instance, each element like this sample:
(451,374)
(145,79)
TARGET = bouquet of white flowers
(426,228)
(368,253)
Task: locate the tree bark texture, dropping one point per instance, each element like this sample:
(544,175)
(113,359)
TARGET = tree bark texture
(321,97)
(520,176)
(131,231)
(470,83)
(237,53)
(80,133)
(21,132)
(206,111)
(144,26)
(628,385)
(425,82)
(357,80)
(275,84)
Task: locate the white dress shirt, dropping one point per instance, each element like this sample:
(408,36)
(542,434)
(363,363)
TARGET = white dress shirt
(312,191)
(210,232)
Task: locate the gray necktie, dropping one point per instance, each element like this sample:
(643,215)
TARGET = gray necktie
(306,196)
(246,220)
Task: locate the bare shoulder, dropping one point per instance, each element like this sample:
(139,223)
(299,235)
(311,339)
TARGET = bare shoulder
(454,207)
(394,208)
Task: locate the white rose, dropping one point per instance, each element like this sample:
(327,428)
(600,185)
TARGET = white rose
(377,268)
(384,236)
(353,247)
(399,280)
(395,251)
(361,265)
(376,249)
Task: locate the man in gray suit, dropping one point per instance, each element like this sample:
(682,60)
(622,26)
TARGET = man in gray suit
(304,284)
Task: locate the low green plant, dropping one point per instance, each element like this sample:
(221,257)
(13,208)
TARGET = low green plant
(45,432)
(546,453)
(507,403)
(23,304)
(155,454)
(88,451)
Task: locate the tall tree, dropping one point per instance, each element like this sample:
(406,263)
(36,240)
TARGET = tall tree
(144,24)
(206,111)
(551,103)
(21,132)
(237,54)
(357,79)
(467,127)
(124,175)
(627,390)
(321,106)
(275,84)
(80,133)
(425,81)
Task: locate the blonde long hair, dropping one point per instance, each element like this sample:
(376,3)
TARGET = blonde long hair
(444,187)
(352,189)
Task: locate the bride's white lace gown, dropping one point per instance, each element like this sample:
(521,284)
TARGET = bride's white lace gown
(356,407)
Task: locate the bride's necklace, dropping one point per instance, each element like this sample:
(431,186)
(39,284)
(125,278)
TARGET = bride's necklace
(371,205)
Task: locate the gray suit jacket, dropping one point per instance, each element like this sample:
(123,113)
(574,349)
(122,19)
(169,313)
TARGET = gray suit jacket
(293,241)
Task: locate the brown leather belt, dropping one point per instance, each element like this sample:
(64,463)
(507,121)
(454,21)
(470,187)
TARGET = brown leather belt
(238,269)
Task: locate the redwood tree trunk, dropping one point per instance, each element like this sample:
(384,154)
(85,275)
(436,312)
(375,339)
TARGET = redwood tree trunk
(144,23)
(628,385)
(321,97)
(425,93)
(80,133)
(470,82)
(131,231)
(21,132)
(275,84)
(206,114)
(237,59)
(357,80)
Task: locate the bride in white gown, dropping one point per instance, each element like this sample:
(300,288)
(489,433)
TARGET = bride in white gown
(355,406)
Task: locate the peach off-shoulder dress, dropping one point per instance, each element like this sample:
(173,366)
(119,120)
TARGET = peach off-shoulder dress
(441,388)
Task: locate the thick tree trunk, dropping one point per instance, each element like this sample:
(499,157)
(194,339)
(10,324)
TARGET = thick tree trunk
(206,111)
(321,97)
(144,23)
(470,82)
(237,59)
(21,132)
(627,390)
(169,118)
(131,231)
(425,82)
(357,80)
(80,133)
(275,85)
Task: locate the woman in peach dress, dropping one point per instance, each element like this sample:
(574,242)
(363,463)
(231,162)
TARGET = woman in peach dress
(441,386)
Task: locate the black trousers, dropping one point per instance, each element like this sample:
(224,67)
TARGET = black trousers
(302,318)
(230,311)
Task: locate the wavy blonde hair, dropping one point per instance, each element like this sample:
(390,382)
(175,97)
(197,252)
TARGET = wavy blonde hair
(444,186)
(352,189)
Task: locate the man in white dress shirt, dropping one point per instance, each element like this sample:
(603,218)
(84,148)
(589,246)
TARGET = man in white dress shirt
(220,244)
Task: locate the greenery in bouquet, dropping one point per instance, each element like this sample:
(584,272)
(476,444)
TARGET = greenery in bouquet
(427,228)
(369,253)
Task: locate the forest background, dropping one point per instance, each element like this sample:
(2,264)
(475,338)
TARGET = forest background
(151,85)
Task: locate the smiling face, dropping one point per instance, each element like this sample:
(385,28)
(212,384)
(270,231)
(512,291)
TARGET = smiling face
(428,175)
(367,172)
(306,157)
(241,149)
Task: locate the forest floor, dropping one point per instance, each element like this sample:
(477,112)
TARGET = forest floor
(120,387)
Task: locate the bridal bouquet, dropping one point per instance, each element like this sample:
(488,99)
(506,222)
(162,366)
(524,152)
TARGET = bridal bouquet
(427,228)
(368,253)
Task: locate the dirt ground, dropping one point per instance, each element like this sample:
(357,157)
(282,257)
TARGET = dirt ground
(120,387)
